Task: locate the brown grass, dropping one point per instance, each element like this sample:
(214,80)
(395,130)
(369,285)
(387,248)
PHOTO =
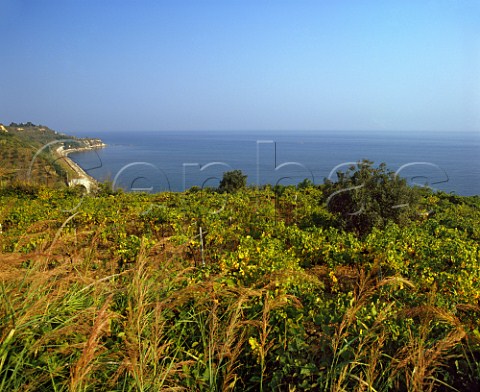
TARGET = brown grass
(80,373)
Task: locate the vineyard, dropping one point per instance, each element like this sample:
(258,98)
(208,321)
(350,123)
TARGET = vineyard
(254,290)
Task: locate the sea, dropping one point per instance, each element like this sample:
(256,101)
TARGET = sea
(139,161)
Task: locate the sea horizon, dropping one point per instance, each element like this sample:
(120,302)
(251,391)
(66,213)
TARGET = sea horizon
(156,161)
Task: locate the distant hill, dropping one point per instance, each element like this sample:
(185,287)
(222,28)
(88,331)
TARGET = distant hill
(28,154)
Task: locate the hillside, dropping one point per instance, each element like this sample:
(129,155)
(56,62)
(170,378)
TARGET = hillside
(253,290)
(28,154)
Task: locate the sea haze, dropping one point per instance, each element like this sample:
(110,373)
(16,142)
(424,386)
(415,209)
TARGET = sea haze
(162,161)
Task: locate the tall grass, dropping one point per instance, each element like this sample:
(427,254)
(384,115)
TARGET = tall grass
(361,360)
(75,317)
(152,328)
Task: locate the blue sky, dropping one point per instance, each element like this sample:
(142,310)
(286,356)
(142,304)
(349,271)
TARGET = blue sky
(93,65)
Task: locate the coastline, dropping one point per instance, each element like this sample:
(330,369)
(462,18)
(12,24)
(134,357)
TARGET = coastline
(82,178)
(318,154)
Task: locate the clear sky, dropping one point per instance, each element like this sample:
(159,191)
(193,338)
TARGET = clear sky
(93,65)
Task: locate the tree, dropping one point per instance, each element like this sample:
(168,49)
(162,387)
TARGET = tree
(232,181)
(365,197)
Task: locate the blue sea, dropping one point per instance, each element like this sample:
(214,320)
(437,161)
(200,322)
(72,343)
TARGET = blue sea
(175,161)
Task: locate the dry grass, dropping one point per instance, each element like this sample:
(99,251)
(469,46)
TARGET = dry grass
(147,356)
(79,374)
(73,319)
(422,357)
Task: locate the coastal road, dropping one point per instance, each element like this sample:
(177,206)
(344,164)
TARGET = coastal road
(81,177)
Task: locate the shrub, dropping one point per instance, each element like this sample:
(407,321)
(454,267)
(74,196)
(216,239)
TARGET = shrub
(366,197)
(232,181)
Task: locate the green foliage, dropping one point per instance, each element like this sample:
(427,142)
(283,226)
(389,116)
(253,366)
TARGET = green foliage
(232,181)
(366,197)
(253,290)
